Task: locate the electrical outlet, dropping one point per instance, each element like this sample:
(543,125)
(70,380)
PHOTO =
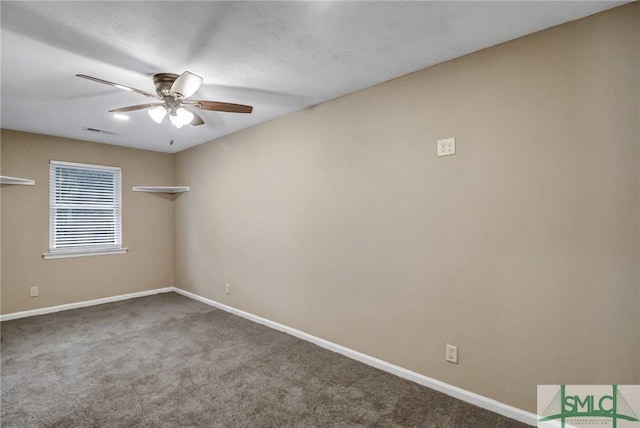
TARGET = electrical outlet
(227,288)
(452,354)
(447,147)
(33,291)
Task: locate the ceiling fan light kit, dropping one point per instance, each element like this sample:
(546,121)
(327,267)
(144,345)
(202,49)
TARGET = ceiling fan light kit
(180,117)
(158,113)
(172,91)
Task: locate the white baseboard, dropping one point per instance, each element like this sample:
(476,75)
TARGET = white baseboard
(453,391)
(51,309)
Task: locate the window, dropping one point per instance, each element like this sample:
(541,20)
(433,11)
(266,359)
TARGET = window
(84,210)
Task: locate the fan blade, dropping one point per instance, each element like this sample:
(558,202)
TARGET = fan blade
(117,85)
(186,84)
(131,108)
(197,120)
(220,106)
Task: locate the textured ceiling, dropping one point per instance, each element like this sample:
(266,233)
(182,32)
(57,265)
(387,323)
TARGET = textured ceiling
(277,56)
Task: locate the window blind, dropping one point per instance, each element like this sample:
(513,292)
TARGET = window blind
(84,207)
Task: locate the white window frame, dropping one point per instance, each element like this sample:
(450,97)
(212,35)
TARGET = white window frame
(56,251)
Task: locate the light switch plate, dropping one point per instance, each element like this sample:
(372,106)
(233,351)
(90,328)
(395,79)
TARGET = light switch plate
(447,147)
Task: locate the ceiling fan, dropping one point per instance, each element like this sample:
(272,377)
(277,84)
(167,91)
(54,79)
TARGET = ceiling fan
(173,91)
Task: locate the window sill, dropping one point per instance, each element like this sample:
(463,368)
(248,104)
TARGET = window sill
(67,254)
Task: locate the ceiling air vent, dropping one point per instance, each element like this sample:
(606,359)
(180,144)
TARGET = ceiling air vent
(100,131)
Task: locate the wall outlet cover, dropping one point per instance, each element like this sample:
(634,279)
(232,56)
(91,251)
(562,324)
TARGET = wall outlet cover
(452,354)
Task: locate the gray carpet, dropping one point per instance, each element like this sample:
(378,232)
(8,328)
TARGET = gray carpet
(168,361)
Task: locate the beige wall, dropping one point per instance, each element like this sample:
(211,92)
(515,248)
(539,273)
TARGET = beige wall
(522,249)
(147,223)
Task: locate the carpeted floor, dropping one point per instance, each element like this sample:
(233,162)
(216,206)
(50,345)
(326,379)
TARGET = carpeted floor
(168,361)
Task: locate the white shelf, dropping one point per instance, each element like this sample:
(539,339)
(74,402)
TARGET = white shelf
(15,180)
(161,189)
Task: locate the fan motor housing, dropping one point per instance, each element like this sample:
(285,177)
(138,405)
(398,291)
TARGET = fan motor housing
(163,82)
